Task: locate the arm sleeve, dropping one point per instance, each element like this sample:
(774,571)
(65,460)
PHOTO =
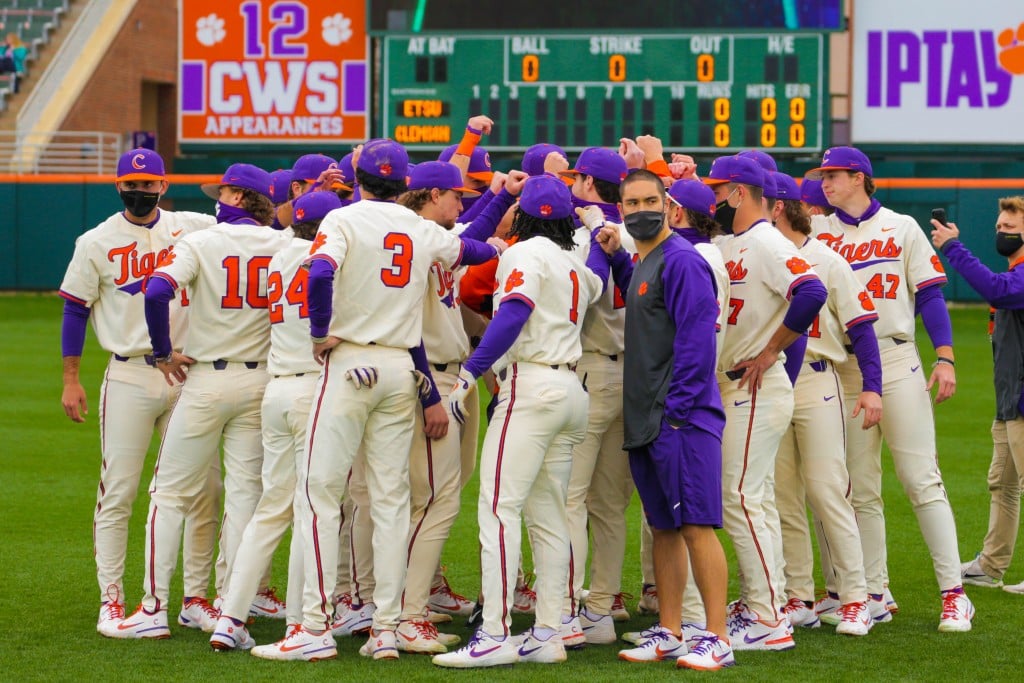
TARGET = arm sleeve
(419,359)
(159,293)
(622,270)
(508,322)
(478,206)
(319,295)
(931,306)
(484,224)
(795,358)
(865,348)
(691,304)
(72,330)
(474,252)
(807,299)
(597,261)
(1002,290)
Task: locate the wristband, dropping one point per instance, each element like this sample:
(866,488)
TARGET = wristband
(947,361)
(659,167)
(318,340)
(468,143)
(164,359)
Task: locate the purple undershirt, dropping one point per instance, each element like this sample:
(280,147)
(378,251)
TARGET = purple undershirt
(319,293)
(1000,290)
(692,235)
(235,215)
(597,260)
(475,206)
(482,227)
(72,330)
(931,306)
(159,293)
(622,269)
(501,333)
(873,208)
(795,358)
(805,301)
(610,211)
(865,348)
(419,359)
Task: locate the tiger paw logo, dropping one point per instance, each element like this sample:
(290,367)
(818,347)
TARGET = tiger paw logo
(166,258)
(797,266)
(865,301)
(642,289)
(515,279)
(318,242)
(1011,53)
(937,264)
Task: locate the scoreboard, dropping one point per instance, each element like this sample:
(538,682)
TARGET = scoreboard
(698,92)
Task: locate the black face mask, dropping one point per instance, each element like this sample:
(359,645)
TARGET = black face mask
(725,214)
(139,203)
(644,225)
(1007,243)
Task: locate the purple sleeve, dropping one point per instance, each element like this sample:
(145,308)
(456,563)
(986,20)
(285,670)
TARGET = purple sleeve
(622,270)
(865,348)
(72,329)
(475,252)
(691,304)
(1002,290)
(484,224)
(419,359)
(500,335)
(931,306)
(806,300)
(597,261)
(795,358)
(159,293)
(319,295)
(473,211)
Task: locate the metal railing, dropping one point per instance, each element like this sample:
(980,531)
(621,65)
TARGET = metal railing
(60,152)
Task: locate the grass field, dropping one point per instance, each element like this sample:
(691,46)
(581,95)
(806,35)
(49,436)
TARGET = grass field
(48,610)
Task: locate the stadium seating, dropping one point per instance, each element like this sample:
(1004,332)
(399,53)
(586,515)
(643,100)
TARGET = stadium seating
(34,21)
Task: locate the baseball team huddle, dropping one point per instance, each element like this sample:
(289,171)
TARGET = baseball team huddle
(734,347)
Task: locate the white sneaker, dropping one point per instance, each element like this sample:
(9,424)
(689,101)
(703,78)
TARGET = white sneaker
(438,617)
(419,637)
(638,637)
(972,573)
(1017,588)
(381,644)
(619,611)
(756,634)
(801,613)
(524,600)
(533,649)
(598,629)
(694,632)
(855,619)
(572,634)
(300,644)
(111,615)
(267,605)
(143,624)
(708,653)
(648,599)
(352,620)
(890,601)
(228,635)
(877,609)
(198,613)
(446,601)
(957,612)
(827,609)
(738,614)
(660,646)
(481,651)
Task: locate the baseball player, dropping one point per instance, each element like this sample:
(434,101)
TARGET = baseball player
(774,296)
(224,269)
(1005,293)
(533,342)
(104,283)
(311,172)
(813,200)
(894,262)
(812,455)
(283,414)
(368,274)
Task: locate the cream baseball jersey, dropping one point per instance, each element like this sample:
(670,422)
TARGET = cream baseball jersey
(713,255)
(892,259)
(444,335)
(379,300)
(290,350)
(604,324)
(108,273)
(224,270)
(551,334)
(763,268)
(848,303)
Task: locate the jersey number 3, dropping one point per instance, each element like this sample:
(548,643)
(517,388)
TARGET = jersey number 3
(401,260)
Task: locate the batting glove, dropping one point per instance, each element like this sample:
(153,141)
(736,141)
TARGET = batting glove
(459,392)
(362,377)
(590,216)
(423,384)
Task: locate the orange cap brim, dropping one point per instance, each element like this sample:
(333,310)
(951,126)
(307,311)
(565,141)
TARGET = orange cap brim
(138,176)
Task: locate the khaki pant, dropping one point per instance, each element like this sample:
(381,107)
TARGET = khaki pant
(1005,481)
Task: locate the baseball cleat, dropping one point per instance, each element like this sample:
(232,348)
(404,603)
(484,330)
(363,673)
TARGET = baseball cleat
(855,619)
(619,611)
(890,601)
(827,609)
(801,613)
(1017,588)
(443,599)
(482,650)
(757,634)
(439,617)
(972,574)
(707,653)
(572,633)
(267,605)
(598,629)
(957,611)
(648,599)
(198,613)
(143,624)
(111,615)
(538,651)
(231,635)
(877,610)
(352,620)
(299,645)
(380,645)
(421,637)
(659,646)
(524,600)
(476,618)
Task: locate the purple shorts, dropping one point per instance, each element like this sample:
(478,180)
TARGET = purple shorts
(679,477)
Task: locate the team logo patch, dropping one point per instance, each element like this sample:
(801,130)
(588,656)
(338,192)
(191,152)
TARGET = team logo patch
(385,168)
(137,162)
(166,258)
(642,289)
(318,242)
(865,301)
(937,264)
(487,159)
(545,209)
(515,279)
(797,266)
(300,214)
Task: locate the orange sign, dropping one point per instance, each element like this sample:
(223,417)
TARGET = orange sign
(273,71)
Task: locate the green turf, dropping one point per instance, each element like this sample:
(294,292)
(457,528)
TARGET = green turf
(49,601)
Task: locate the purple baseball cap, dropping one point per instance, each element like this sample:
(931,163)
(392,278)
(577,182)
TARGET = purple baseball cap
(140,164)
(246,176)
(735,169)
(533,157)
(479,162)
(811,192)
(765,160)
(280,180)
(313,206)
(348,173)
(308,167)
(546,197)
(785,187)
(440,174)
(842,159)
(384,159)
(600,162)
(769,184)
(694,195)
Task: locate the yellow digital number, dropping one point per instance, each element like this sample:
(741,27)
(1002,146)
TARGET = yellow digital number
(797,135)
(721,135)
(797,109)
(768,109)
(721,109)
(768,135)
(531,68)
(705,68)
(617,68)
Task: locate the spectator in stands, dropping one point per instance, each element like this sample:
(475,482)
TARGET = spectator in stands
(13,59)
